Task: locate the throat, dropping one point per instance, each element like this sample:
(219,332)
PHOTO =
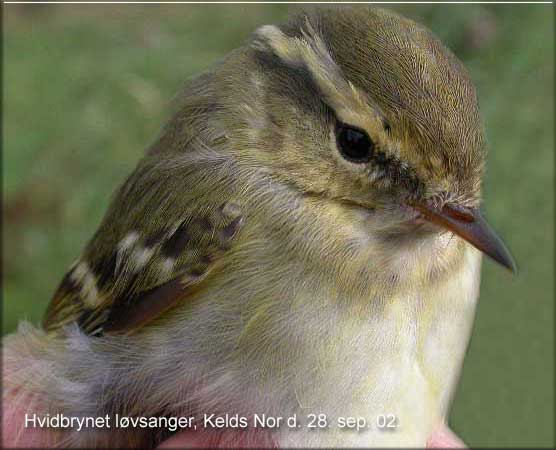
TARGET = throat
(398,354)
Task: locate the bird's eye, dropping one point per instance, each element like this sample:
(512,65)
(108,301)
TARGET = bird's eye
(354,144)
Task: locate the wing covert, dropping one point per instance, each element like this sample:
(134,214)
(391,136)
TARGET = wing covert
(146,274)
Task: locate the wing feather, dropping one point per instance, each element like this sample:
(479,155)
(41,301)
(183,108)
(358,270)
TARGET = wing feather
(145,275)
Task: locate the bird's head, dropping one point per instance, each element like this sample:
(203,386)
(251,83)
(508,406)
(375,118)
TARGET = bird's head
(364,108)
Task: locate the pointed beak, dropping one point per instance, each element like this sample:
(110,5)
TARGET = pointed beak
(469,225)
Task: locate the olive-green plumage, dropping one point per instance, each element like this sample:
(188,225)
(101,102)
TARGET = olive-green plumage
(278,250)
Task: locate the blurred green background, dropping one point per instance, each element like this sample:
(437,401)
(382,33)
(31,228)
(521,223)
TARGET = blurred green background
(87,88)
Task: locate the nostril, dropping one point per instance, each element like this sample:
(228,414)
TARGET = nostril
(459,212)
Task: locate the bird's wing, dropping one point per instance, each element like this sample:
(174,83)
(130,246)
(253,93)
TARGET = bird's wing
(143,272)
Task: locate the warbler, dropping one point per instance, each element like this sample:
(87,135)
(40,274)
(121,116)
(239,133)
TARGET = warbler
(302,240)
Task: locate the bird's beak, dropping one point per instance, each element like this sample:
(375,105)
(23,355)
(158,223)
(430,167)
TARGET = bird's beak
(470,225)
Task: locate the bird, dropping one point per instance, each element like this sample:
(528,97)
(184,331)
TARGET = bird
(303,239)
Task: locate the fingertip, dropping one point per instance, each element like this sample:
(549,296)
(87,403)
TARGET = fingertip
(443,437)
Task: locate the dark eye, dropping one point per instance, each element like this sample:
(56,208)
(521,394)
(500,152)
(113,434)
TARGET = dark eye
(354,144)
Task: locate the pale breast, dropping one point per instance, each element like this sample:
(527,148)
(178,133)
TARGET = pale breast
(397,370)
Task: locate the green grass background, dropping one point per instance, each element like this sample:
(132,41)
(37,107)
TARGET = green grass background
(87,88)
